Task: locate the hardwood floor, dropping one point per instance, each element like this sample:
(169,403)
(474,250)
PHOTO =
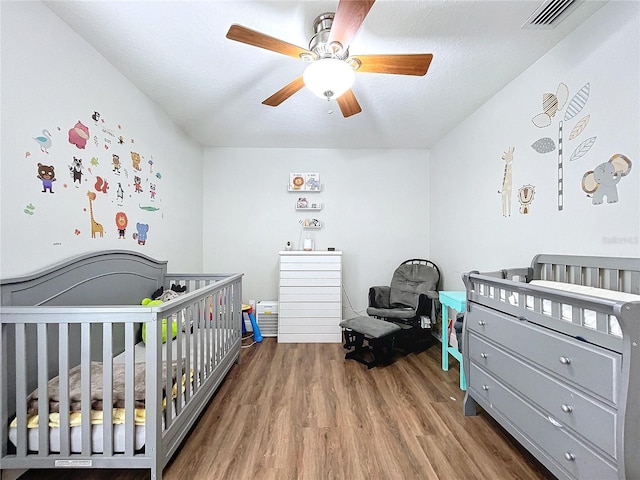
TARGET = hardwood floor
(300,411)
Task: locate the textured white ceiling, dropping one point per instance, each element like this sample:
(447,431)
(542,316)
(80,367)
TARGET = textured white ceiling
(176,52)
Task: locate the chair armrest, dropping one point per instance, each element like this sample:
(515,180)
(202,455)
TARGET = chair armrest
(426,303)
(379,297)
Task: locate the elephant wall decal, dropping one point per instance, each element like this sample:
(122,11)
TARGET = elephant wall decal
(603,180)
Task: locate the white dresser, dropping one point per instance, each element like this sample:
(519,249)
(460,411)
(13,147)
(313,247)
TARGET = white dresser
(310,297)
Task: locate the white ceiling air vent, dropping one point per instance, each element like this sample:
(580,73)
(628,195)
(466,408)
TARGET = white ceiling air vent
(550,13)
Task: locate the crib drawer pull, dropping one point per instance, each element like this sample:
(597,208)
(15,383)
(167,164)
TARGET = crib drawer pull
(565,360)
(566,408)
(569,456)
(483,355)
(485,387)
(482,323)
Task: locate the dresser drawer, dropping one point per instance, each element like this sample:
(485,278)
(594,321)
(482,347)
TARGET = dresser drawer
(561,449)
(572,409)
(585,365)
(323,280)
(310,309)
(309,325)
(310,259)
(306,294)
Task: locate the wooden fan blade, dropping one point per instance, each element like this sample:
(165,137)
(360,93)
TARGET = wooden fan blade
(257,39)
(348,104)
(284,93)
(410,64)
(349,16)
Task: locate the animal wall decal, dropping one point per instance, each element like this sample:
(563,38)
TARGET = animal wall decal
(525,197)
(603,180)
(44,141)
(507,181)
(47,174)
(96,228)
(75,169)
(121,224)
(79,134)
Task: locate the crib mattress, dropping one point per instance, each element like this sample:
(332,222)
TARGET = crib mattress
(588,316)
(75,437)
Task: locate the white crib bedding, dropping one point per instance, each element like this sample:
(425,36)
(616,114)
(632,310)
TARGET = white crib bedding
(75,438)
(588,316)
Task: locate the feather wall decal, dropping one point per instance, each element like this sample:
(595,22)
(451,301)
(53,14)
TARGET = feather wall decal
(544,145)
(580,126)
(577,103)
(582,149)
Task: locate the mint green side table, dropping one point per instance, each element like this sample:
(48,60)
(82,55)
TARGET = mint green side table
(457,301)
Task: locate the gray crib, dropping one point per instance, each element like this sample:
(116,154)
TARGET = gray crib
(74,332)
(551,352)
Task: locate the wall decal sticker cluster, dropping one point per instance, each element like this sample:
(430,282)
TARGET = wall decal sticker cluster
(91,151)
(602,181)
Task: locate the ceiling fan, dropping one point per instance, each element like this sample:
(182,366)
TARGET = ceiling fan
(328,55)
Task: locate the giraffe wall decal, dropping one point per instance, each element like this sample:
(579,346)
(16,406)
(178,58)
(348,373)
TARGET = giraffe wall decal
(95,226)
(507,182)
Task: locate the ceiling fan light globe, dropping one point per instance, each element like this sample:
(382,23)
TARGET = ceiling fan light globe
(328,75)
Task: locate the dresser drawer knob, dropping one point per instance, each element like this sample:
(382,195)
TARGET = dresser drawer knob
(483,355)
(569,456)
(567,408)
(565,360)
(485,387)
(482,323)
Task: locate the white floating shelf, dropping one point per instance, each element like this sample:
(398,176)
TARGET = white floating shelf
(318,207)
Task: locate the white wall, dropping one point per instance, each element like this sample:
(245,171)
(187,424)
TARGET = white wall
(375,210)
(468,230)
(51,79)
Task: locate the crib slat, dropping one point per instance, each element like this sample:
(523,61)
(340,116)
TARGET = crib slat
(602,322)
(207,346)
(63,369)
(180,337)
(107,389)
(187,353)
(43,391)
(21,389)
(153,403)
(129,385)
(4,365)
(85,387)
(168,384)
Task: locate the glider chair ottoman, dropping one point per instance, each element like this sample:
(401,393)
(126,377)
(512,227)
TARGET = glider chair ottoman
(370,340)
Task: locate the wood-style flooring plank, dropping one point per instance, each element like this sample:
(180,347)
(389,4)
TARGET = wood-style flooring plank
(301,412)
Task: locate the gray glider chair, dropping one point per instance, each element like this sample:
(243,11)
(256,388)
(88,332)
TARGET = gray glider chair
(410,301)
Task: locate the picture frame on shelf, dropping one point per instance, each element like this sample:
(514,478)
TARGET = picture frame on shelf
(304,182)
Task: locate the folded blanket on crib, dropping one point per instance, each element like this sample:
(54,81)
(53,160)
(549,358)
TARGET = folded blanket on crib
(118,395)
(75,393)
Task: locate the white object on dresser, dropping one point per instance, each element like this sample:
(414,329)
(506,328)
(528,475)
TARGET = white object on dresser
(310,303)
